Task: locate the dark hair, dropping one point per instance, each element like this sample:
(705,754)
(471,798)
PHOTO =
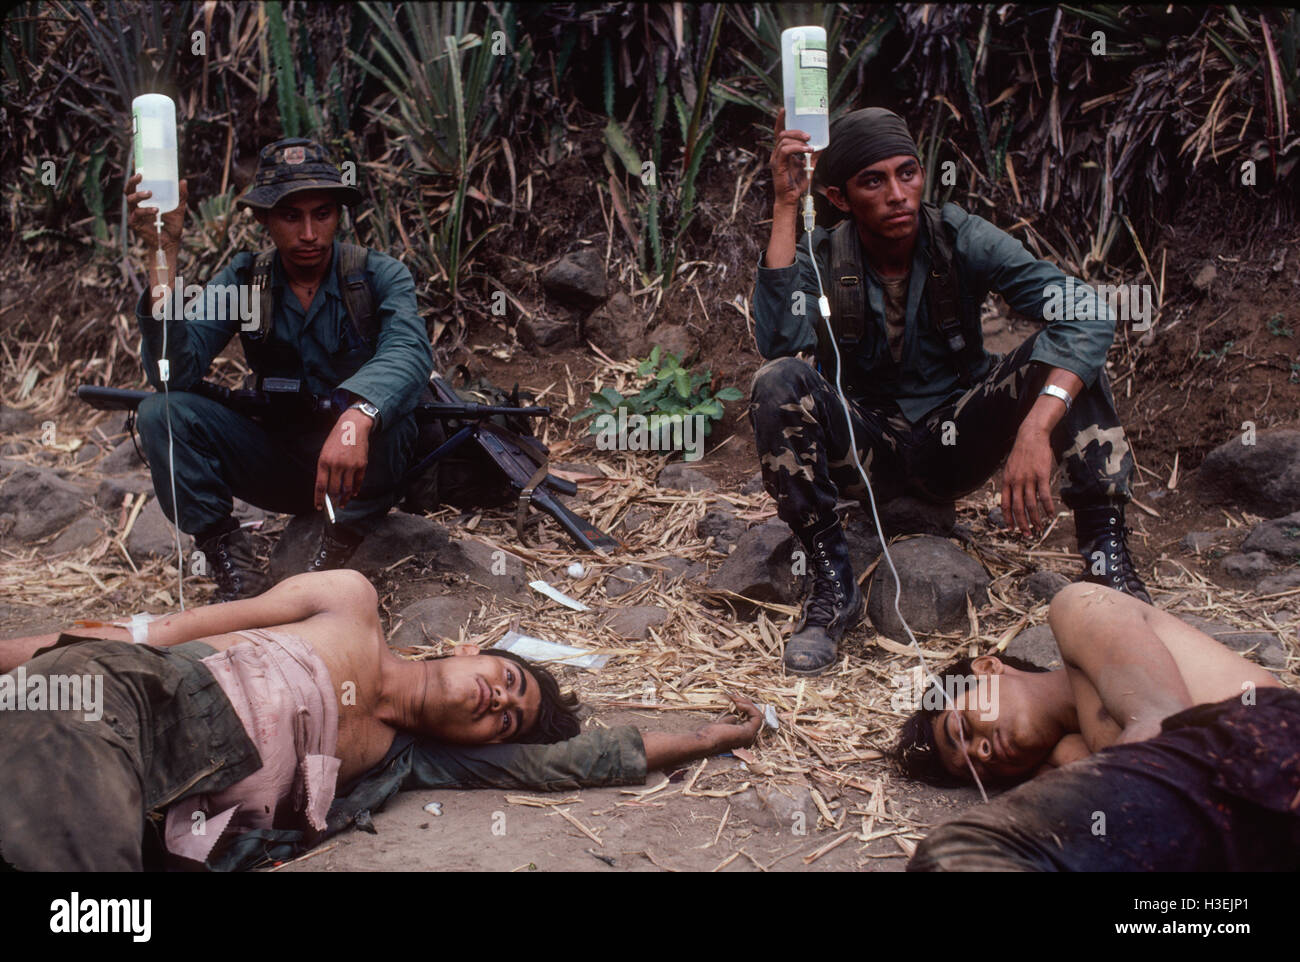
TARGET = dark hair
(557,712)
(915,753)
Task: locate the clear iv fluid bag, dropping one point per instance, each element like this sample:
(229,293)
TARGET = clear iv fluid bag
(804,72)
(153,129)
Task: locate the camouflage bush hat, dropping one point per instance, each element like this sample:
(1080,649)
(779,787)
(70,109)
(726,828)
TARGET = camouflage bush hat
(291,166)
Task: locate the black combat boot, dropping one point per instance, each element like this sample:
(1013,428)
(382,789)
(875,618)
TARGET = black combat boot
(1103,543)
(336,547)
(833,606)
(232,563)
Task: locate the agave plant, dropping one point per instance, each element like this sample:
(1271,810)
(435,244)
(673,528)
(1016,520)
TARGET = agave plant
(450,70)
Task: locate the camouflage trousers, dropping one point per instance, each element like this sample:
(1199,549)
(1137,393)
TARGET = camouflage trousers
(803,442)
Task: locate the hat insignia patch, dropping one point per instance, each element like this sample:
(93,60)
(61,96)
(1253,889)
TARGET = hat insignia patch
(295,155)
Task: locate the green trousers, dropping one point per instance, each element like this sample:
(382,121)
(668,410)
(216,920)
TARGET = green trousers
(219,454)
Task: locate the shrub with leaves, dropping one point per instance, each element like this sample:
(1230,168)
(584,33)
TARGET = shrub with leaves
(672,392)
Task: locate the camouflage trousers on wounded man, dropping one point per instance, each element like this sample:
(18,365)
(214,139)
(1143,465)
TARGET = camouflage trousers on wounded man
(803,443)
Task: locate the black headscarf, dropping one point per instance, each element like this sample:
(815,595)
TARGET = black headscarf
(858,140)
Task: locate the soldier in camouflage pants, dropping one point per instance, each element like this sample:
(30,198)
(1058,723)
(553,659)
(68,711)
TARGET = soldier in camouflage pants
(803,442)
(898,289)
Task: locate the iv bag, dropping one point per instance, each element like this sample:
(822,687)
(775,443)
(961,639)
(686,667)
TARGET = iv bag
(153,129)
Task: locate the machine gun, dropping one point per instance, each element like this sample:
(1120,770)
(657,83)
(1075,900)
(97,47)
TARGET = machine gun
(523,460)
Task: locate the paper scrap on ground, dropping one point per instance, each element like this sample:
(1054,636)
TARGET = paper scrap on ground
(535,649)
(556,595)
(769,716)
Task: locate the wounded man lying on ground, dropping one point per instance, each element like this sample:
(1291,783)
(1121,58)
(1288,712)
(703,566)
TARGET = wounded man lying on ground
(256,728)
(1154,749)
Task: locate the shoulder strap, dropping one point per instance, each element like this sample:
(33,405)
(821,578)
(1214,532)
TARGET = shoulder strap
(261,281)
(943,292)
(354,287)
(847,296)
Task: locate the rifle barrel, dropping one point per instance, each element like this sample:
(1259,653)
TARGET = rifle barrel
(440,410)
(111,398)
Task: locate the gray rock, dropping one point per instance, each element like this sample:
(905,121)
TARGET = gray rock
(722,526)
(680,476)
(389,540)
(761,568)
(122,460)
(38,502)
(112,491)
(577,278)
(1262,646)
(997,518)
(1044,584)
(1263,477)
(429,620)
(864,545)
(779,807)
(1283,582)
(936,576)
(675,339)
(754,485)
(87,452)
(622,580)
(1279,538)
(1249,565)
(1198,542)
(635,622)
(1204,278)
(637,517)
(152,535)
(498,571)
(541,330)
(681,568)
(113,429)
(908,515)
(82,533)
(398,536)
(14,421)
(1036,645)
(616,328)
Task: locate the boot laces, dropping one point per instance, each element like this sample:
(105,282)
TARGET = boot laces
(827,596)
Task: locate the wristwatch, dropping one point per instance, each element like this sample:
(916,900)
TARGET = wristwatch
(1059,393)
(366,408)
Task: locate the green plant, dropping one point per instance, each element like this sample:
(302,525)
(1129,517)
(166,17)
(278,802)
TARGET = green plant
(291,105)
(1218,354)
(758,85)
(671,391)
(1276,328)
(450,89)
(696,122)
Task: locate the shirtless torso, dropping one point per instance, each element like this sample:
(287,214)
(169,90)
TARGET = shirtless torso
(352,652)
(1127,646)
(335,613)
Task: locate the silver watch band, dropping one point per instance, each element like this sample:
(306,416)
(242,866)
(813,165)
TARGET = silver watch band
(1059,393)
(366,408)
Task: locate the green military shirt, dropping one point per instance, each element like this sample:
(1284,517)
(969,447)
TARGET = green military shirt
(317,346)
(986,258)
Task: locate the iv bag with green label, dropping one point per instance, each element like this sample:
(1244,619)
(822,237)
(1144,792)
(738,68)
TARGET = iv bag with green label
(153,133)
(804,76)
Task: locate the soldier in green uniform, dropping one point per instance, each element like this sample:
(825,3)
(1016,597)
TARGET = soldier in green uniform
(934,414)
(311,348)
